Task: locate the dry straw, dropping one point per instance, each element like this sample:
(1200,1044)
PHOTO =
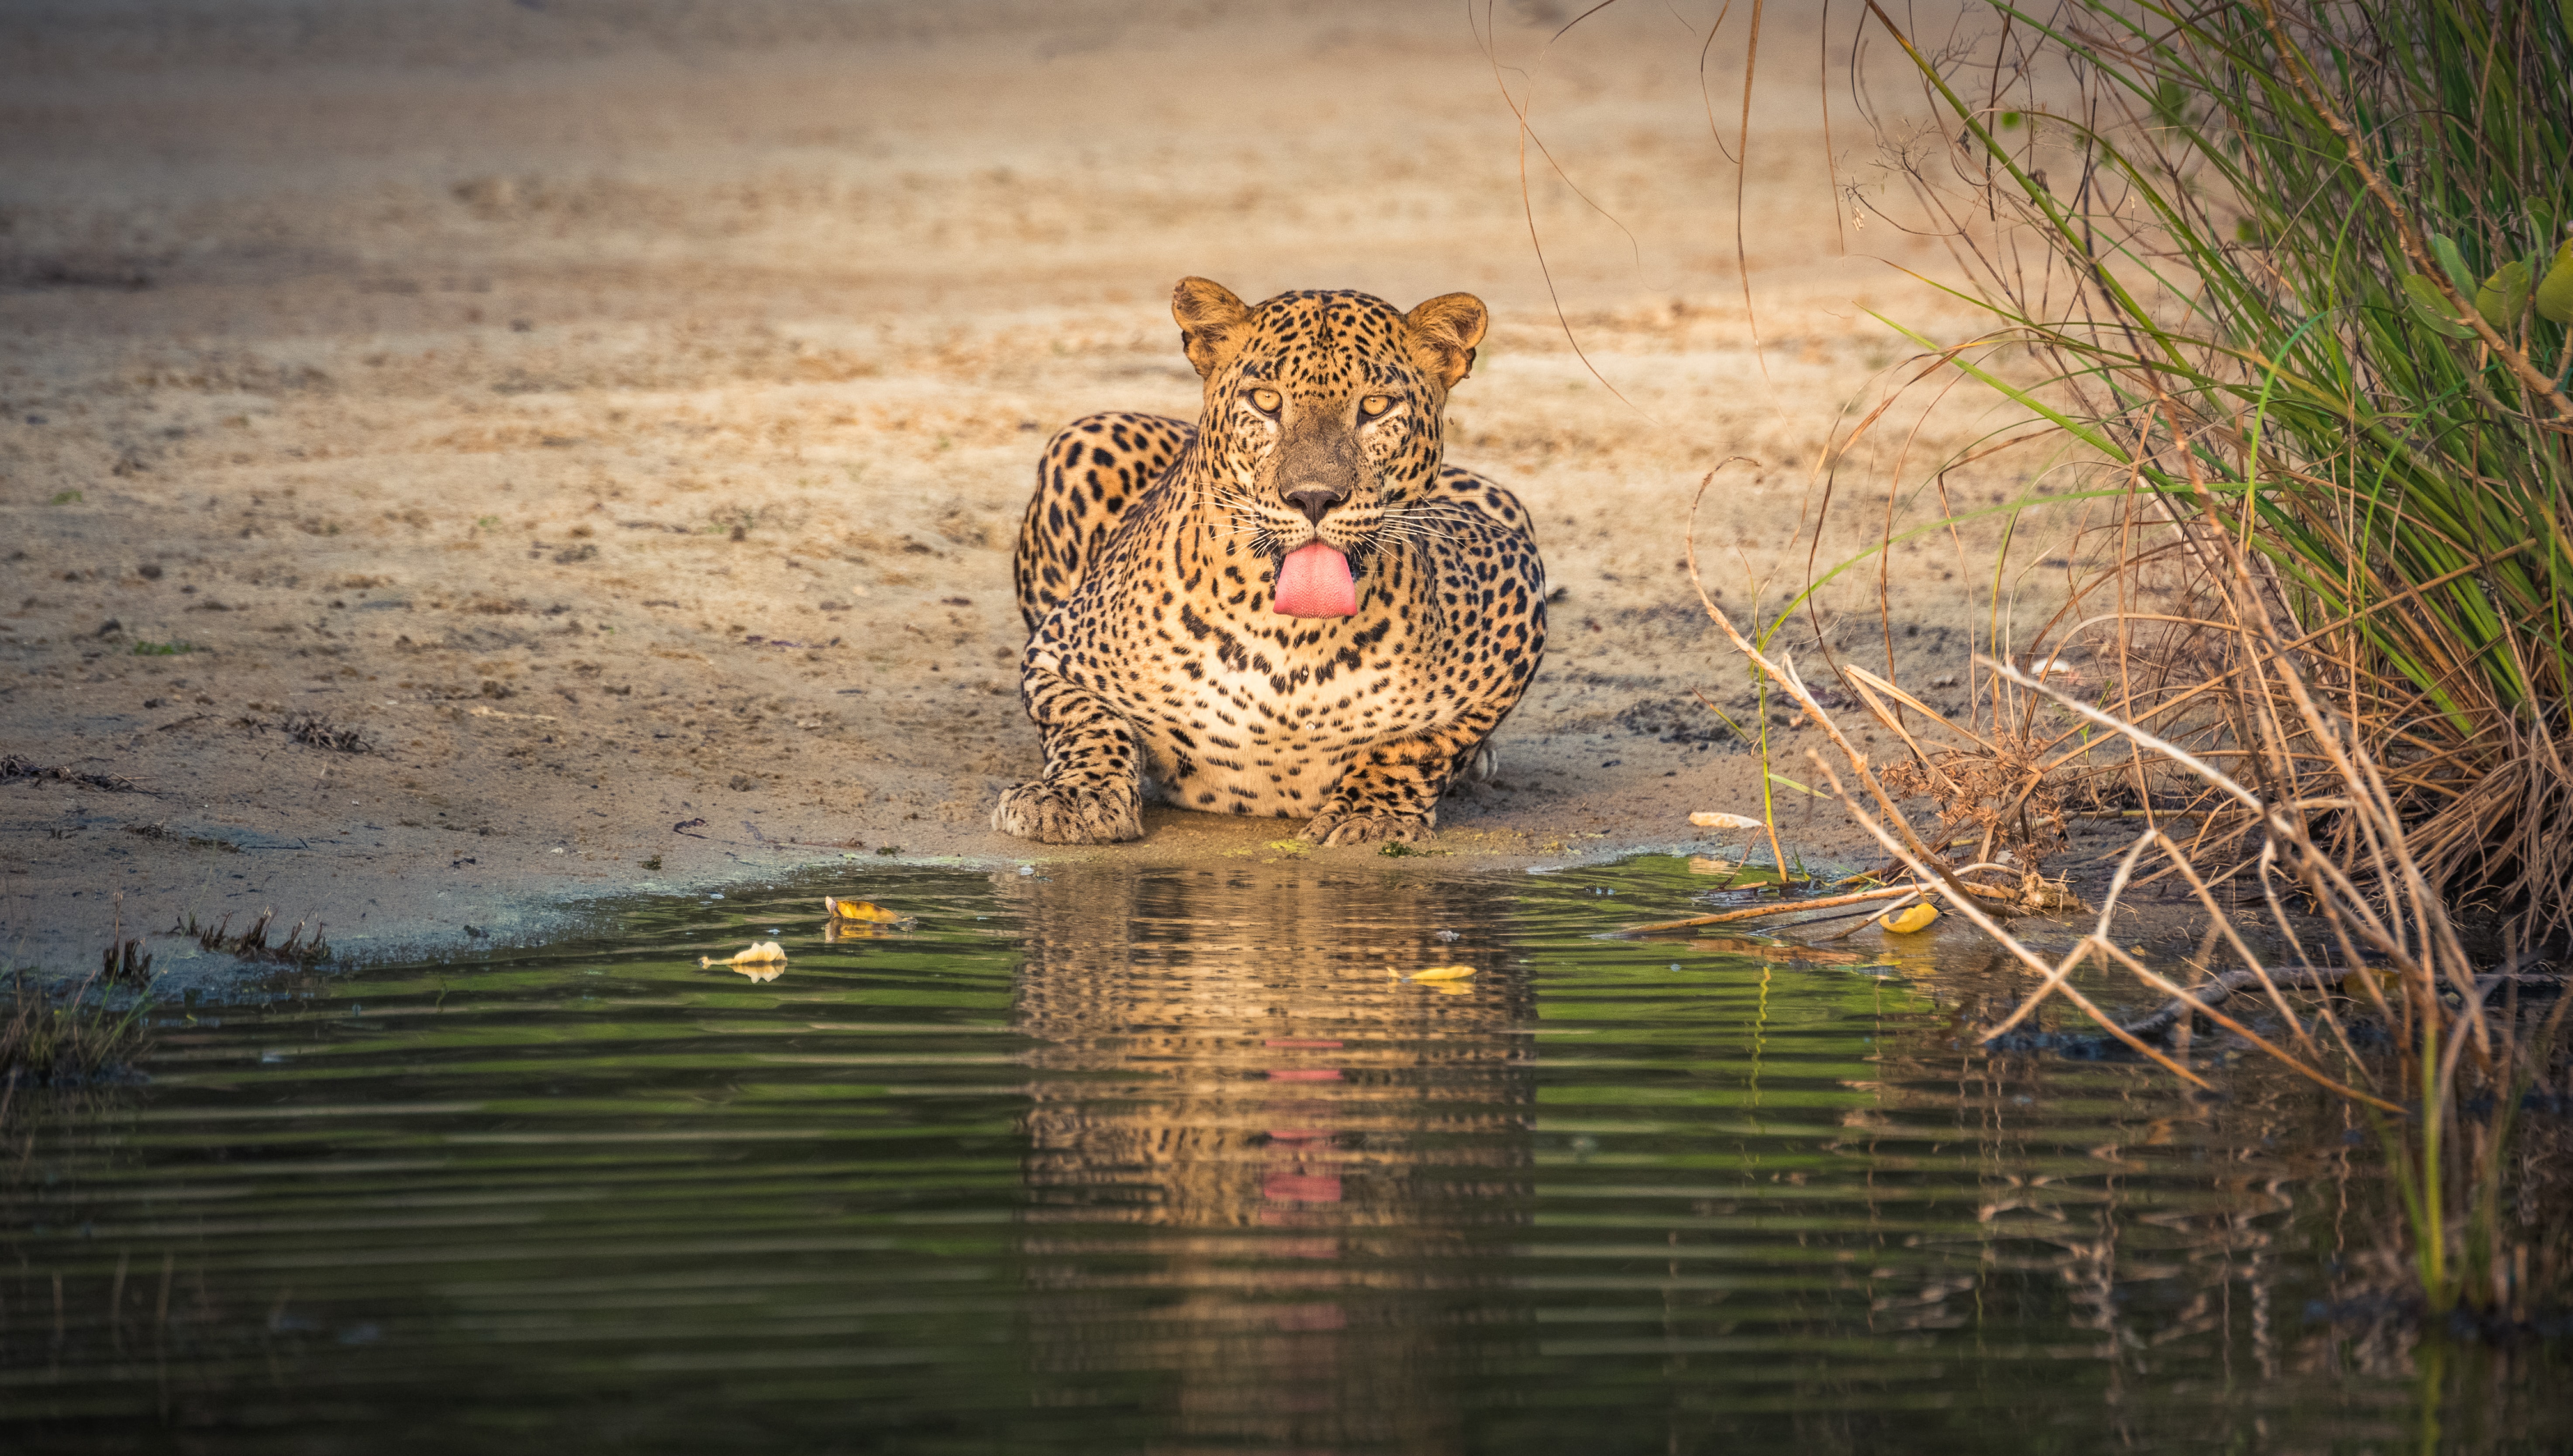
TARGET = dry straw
(2300,277)
(2286,267)
(2463,1039)
(2293,280)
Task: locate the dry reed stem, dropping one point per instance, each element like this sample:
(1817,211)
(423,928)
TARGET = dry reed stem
(2334,892)
(2222,988)
(2324,733)
(1966,907)
(2055,977)
(1785,677)
(1866,679)
(2278,1054)
(2337,625)
(2252,962)
(2377,819)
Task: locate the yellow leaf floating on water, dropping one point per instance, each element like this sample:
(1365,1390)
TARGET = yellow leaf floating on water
(760,953)
(1441,973)
(861,910)
(1910,919)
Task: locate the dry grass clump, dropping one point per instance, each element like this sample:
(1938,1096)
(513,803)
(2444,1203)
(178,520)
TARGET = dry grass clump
(315,731)
(15,766)
(2289,284)
(2468,1043)
(2299,281)
(1995,795)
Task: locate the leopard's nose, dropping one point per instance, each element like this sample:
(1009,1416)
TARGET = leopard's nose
(1315,502)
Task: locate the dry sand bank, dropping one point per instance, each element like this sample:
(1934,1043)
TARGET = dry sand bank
(619,415)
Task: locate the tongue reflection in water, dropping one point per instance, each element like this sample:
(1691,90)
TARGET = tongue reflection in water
(1258,1167)
(1314,581)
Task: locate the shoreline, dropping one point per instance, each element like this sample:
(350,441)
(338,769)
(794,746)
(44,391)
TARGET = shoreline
(447,923)
(609,445)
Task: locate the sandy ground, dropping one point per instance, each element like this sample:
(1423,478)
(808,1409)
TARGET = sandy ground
(618,414)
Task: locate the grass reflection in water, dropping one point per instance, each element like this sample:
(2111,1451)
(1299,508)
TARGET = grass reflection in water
(1094,1160)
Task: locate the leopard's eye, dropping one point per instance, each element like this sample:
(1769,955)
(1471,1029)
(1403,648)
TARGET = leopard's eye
(1265,400)
(1375,405)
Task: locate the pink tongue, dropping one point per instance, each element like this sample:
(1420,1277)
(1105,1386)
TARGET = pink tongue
(1314,581)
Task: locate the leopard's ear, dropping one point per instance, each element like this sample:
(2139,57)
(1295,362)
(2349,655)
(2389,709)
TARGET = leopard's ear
(1212,323)
(1444,331)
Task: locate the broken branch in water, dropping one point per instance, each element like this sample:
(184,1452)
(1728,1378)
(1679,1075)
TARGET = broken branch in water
(1780,908)
(2034,895)
(2216,993)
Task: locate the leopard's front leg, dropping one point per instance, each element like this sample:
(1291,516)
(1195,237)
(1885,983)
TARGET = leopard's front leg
(1090,792)
(1391,792)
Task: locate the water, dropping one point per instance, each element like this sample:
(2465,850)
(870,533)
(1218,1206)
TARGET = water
(1165,1162)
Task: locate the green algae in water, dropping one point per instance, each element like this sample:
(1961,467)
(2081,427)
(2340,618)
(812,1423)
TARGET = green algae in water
(1088,1160)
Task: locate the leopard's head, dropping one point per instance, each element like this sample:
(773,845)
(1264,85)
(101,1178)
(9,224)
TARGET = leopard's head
(1322,413)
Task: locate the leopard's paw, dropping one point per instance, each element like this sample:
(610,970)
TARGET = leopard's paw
(1339,827)
(1051,813)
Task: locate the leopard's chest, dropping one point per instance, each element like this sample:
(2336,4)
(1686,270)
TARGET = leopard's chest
(1251,716)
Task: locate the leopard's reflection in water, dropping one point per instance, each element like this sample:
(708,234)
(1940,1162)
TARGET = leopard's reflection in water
(1263,1173)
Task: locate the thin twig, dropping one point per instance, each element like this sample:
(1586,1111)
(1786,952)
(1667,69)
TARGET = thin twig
(1756,911)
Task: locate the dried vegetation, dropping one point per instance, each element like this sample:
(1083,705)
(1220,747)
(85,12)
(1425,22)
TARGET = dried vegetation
(2297,281)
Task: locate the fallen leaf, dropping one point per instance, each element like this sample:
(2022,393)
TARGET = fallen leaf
(1910,919)
(1709,819)
(1441,973)
(839,908)
(759,952)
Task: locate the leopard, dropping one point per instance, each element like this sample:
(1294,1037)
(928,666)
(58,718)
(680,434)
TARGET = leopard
(1295,607)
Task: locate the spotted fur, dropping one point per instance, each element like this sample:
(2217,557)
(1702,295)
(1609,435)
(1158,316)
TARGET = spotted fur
(1146,564)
